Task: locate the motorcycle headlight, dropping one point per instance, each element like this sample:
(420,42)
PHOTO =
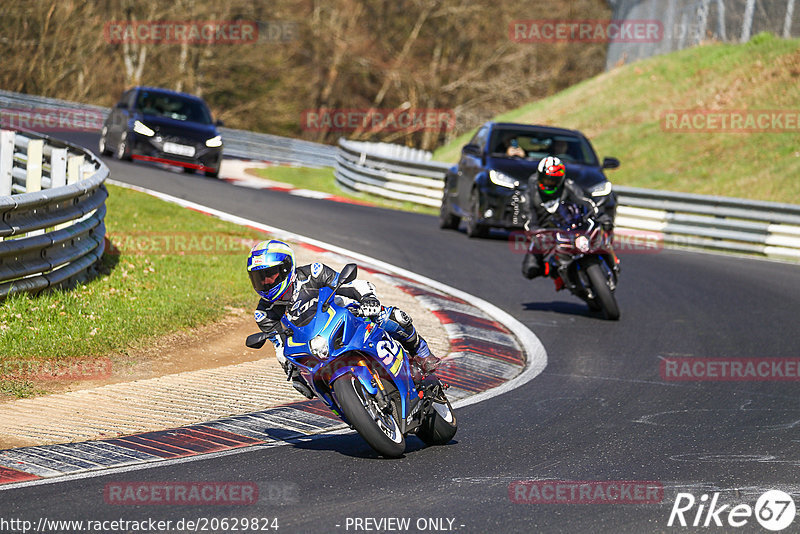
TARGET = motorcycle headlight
(600,190)
(319,347)
(502,180)
(141,128)
(582,243)
(214,142)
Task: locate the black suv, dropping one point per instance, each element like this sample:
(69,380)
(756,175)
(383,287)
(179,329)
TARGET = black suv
(488,187)
(163,126)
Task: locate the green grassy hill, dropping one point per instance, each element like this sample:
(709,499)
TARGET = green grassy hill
(621,112)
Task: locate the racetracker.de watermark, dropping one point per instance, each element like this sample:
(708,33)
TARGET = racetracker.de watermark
(623,241)
(196,32)
(687,369)
(586,31)
(176,243)
(51,119)
(731,121)
(181,493)
(585,492)
(377,120)
(93,369)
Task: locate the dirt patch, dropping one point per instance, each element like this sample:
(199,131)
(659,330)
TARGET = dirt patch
(207,347)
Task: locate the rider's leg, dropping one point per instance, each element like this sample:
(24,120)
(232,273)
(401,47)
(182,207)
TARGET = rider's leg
(399,325)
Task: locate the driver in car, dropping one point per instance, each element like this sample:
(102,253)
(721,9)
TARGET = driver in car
(283,287)
(547,186)
(514,149)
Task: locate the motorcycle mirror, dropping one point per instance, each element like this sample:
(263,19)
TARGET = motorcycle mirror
(348,274)
(256,341)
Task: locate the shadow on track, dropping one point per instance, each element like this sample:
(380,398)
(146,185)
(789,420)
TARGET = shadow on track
(354,446)
(566,308)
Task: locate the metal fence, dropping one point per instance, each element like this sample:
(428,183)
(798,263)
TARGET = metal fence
(688,22)
(673,219)
(52,206)
(365,167)
(238,143)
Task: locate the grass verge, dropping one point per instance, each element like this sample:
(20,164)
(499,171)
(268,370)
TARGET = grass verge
(170,269)
(323,180)
(621,112)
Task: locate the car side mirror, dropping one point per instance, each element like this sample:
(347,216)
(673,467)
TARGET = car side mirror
(219,123)
(610,163)
(121,105)
(473,150)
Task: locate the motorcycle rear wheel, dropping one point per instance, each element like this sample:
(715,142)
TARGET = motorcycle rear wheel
(381,431)
(603,294)
(439,426)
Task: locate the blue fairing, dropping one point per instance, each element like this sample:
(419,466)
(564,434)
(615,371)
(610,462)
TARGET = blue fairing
(352,342)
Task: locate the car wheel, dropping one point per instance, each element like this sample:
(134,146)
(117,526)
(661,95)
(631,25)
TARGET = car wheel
(474,228)
(447,221)
(102,145)
(213,174)
(122,152)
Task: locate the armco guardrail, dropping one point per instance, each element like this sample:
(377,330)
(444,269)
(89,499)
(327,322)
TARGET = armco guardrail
(52,206)
(238,143)
(738,225)
(361,167)
(677,219)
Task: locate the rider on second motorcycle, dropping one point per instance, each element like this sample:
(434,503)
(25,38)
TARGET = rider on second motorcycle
(549,187)
(283,288)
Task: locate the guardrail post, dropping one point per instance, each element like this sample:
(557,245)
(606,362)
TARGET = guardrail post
(6,161)
(58,167)
(787,22)
(33,178)
(87,169)
(74,164)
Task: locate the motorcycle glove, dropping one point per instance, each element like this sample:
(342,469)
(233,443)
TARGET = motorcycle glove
(606,223)
(370,306)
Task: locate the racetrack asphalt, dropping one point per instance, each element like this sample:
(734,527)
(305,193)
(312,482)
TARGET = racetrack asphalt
(599,412)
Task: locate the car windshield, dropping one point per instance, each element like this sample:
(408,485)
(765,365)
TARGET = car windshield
(537,145)
(172,107)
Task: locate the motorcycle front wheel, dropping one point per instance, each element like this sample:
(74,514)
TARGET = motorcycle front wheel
(603,294)
(380,430)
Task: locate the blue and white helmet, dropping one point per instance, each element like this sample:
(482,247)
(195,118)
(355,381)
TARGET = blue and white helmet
(271,268)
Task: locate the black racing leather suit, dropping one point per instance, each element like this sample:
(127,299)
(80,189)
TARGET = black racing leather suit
(539,217)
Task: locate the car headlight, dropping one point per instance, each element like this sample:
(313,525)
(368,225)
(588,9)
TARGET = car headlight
(214,142)
(319,347)
(502,180)
(600,190)
(143,129)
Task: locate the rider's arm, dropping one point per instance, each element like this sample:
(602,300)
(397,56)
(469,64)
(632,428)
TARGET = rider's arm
(535,218)
(578,196)
(360,291)
(268,316)
(321,276)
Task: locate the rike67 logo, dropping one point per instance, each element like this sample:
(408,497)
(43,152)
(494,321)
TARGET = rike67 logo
(774,511)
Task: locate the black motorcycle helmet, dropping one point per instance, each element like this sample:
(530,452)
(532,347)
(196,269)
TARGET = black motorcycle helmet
(550,177)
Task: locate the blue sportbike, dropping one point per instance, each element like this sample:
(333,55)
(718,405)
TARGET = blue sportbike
(362,374)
